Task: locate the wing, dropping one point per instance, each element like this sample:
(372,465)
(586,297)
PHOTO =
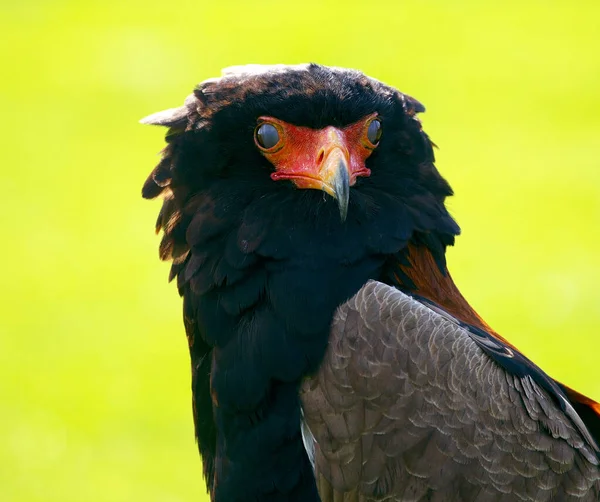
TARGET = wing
(420,270)
(407,406)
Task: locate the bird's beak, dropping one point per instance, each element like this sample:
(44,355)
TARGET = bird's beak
(334,175)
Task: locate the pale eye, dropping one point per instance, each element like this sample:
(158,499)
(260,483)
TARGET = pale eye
(267,136)
(374,132)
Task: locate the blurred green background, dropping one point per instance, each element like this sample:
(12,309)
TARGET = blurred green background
(94,392)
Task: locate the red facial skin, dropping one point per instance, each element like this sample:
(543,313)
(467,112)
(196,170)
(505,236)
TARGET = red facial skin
(310,157)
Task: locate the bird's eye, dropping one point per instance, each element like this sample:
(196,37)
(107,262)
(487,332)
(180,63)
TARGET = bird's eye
(374,132)
(266,136)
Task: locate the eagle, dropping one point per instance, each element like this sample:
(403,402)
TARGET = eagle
(332,356)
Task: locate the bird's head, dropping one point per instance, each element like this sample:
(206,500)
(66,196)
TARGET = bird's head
(314,142)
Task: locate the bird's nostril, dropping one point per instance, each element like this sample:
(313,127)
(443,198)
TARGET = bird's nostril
(320,157)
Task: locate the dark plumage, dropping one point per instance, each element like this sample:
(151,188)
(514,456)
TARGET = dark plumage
(263,263)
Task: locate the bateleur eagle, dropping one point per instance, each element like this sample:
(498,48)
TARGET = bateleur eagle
(332,355)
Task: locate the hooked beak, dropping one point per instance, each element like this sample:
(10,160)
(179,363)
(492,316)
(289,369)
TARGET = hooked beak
(335,178)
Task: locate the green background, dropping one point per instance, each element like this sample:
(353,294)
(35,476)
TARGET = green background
(94,371)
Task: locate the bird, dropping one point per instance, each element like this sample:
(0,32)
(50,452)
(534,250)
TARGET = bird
(333,357)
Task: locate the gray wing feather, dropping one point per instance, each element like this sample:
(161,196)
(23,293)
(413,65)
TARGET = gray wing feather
(407,407)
